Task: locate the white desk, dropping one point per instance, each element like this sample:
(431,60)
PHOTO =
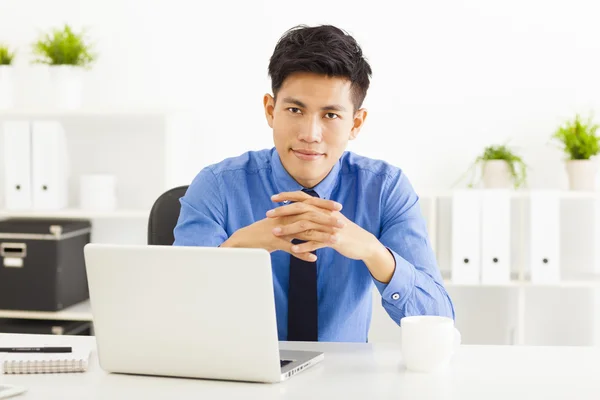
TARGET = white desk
(348,371)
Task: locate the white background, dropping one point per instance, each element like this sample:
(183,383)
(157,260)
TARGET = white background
(450,77)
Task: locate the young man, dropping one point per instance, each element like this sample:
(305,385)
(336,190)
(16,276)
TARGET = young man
(334,222)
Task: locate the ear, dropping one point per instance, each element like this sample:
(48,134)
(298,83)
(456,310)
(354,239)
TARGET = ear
(359,119)
(269,104)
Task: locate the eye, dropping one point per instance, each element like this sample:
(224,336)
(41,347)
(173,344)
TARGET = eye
(331,116)
(294,110)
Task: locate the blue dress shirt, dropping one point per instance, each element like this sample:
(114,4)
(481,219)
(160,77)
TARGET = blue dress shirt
(236,192)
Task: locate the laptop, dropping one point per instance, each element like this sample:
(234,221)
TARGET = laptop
(193,312)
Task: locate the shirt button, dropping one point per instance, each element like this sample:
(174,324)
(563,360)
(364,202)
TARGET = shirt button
(395,296)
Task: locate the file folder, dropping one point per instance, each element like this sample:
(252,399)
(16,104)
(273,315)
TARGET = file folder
(466,235)
(495,236)
(49,166)
(544,236)
(17,165)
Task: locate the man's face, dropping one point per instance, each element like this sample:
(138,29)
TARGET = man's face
(312,121)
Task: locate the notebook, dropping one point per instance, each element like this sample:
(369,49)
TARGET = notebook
(45,363)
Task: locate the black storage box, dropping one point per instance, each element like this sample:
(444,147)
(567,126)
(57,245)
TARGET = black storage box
(45,327)
(42,267)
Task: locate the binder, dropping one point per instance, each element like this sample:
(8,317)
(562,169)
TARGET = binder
(544,236)
(49,166)
(17,165)
(495,236)
(466,236)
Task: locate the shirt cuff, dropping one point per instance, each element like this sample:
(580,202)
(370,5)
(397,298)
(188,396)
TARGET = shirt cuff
(402,283)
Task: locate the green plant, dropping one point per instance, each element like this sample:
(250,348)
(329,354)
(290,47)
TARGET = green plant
(63,47)
(6,57)
(516,166)
(578,138)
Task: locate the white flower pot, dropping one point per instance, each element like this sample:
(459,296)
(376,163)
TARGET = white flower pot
(582,174)
(67,86)
(6,87)
(496,175)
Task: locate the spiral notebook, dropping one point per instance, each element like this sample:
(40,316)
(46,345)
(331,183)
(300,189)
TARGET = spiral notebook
(45,363)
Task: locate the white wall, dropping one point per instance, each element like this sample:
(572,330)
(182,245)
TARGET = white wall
(450,77)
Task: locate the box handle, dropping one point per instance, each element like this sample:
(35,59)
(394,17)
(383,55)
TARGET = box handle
(13,254)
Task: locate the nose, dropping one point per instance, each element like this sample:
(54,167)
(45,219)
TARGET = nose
(312,131)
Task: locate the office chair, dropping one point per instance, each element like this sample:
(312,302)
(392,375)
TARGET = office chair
(164,215)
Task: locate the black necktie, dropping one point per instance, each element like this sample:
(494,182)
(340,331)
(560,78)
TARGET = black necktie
(302,297)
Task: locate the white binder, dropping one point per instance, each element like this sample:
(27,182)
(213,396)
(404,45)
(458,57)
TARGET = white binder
(17,165)
(544,236)
(466,236)
(495,236)
(49,166)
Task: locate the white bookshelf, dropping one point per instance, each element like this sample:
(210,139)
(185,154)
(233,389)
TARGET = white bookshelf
(76,213)
(148,150)
(77,312)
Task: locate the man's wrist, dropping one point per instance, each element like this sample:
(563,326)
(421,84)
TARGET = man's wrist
(380,262)
(234,240)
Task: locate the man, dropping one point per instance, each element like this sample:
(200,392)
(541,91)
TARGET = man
(334,222)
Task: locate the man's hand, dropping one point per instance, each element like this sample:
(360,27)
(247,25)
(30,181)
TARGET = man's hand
(312,222)
(350,240)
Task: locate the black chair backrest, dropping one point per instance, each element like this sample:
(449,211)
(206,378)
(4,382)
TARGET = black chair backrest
(164,215)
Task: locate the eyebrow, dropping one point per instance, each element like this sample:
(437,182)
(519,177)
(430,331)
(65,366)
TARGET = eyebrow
(332,107)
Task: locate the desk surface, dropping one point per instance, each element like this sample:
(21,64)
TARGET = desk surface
(348,371)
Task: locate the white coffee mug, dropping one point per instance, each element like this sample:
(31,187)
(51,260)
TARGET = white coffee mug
(428,342)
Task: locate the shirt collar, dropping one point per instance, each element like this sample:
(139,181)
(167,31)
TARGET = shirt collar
(285,183)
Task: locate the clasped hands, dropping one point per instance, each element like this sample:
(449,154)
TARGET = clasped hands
(319,223)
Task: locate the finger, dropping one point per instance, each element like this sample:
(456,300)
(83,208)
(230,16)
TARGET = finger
(291,196)
(316,236)
(303,197)
(286,245)
(290,209)
(310,257)
(324,204)
(323,220)
(301,226)
(307,247)
(309,212)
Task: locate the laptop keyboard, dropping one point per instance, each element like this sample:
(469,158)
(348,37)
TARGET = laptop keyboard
(285,362)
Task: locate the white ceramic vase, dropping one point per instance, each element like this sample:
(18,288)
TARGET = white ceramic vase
(6,87)
(582,174)
(67,86)
(496,174)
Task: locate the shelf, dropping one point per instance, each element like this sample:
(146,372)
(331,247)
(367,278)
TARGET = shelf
(575,281)
(85,112)
(76,213)
(522,194)
(78,312)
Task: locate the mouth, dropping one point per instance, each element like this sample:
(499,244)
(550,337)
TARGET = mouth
(307,155)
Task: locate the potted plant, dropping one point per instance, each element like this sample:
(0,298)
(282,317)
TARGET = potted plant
(6,77)
(501,168)
(581,144)
(68,55)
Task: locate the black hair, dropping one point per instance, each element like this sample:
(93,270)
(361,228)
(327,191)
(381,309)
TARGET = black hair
(325,50)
